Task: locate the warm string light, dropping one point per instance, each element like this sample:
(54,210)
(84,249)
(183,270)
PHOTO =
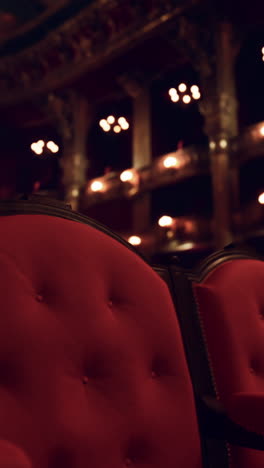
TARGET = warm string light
(212,145)
(97,186)
(175,160)
(261,199)
(168,224)
(223,144)
(165,221)
(183,94)
(131,177)
(75,192)
(262,51)
(171,161)
(182,87)
(186,99)
(39,147)
(135,240)
(116,125)
(52,147)
(127,176)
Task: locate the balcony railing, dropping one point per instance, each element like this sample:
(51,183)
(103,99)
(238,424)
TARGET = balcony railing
(170,169)
(166,170)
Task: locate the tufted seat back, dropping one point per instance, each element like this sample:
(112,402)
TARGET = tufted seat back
(230,303)
(92,367)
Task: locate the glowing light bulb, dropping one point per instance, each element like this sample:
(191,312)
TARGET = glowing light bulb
(182,87)
(117,129)
(261,199)
(196,96)
(186,99)
(52,147)
(103,123)
(134,240)
(97,186)
(75,192)
(172,91)
(262,50)
(125,126)
(56,149)
(127,176)
(165,221)
(175,98)
(37,148)
(123,123)
(195,89)
(261,131)
(212,145)
(110,119)
(121,119)
(41,143)
(170,161)
(223,143)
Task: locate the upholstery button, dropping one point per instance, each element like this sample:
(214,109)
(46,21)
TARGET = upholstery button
(39,298)
(252,371)
(85,380)
(128,462)
(110,303)
(154,374)
(138,451)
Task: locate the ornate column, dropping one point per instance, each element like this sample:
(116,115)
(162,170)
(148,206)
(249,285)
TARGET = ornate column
(219,107)
(137,88)
(211,47)
(73,119)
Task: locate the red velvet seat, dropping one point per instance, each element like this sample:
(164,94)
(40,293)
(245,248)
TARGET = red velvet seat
(229,295)
(92,367)
(12,456)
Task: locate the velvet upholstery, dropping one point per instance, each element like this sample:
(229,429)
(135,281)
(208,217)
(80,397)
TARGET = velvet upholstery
(231,309)
(12,456)
(92,367)
(247,410)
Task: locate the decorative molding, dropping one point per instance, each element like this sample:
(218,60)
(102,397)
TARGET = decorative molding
(195,38)
(61,107)
(16,32)
(97,33)
(133,83)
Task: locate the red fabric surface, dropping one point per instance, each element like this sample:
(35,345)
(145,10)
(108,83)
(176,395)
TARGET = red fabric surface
(231,309)
(92,367)
(12,456)
(247,409)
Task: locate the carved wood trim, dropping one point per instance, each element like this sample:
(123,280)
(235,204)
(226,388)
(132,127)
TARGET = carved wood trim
(37,205)
(99,32)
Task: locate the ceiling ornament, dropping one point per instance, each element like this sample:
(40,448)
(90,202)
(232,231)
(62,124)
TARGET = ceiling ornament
(85,41)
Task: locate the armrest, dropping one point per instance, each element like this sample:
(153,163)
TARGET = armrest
(217,423)
(247,410)
(12,456)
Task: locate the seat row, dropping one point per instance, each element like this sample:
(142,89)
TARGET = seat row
(106,361)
